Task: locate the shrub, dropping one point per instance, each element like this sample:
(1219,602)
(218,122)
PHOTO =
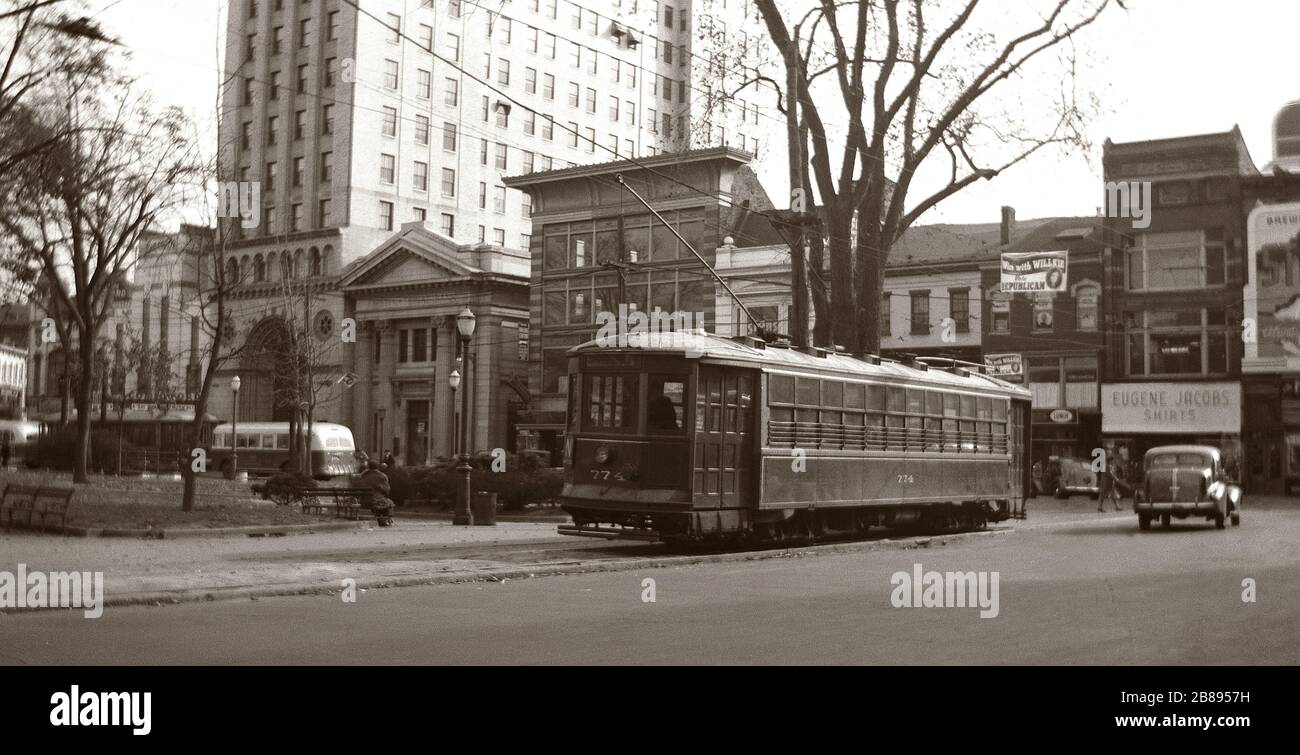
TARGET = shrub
(56,450)
(524,481)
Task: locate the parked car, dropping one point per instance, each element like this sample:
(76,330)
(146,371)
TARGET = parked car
(1184,481)
(1072,477)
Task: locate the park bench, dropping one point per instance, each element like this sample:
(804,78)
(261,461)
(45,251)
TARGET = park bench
(48,502)
(347,503)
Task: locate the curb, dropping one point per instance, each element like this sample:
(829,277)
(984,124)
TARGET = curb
(539,570)
(510,518)
(175,534)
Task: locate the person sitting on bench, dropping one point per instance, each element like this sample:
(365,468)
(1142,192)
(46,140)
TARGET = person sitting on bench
(380,503)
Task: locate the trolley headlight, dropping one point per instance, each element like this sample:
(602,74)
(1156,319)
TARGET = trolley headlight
(602,454)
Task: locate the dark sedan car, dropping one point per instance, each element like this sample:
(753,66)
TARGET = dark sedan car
(1184,481)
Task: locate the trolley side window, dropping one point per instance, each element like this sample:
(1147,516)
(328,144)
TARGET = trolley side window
(666,405)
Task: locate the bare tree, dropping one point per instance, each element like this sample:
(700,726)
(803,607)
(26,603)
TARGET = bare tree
(308,372)
(44,43)
(86,204)
(932,97)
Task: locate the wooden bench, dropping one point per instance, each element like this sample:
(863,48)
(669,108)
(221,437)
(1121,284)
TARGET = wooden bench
(347,503)
(49,502)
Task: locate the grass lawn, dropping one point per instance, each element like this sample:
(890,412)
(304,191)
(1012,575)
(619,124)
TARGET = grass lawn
(135,503)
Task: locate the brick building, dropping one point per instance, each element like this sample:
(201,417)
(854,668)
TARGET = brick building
(1171,295)
(1054,343)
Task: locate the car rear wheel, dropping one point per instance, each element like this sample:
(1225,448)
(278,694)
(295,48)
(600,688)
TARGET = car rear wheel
(1144,522)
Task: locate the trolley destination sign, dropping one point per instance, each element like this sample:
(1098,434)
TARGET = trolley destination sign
(1034,271)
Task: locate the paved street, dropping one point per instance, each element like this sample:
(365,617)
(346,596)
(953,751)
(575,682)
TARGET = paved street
(1072,589)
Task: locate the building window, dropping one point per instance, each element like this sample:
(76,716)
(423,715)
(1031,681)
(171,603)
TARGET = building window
(1044,312)
(451,92)
(387,168)
(448,225)
(920,313)
(421,176)
(1177,260)
(448,182)
(449,137)
(959,308)
(386,215)
(1086,298)
(886,326)
(999,311)
(1183,342)
(390,121)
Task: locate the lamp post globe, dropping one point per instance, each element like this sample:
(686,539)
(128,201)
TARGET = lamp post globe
(234,429)
(465,323)
(454,380)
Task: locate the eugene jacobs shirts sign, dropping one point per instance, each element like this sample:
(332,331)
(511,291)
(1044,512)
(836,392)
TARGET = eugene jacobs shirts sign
(1171,408)
(1034,271)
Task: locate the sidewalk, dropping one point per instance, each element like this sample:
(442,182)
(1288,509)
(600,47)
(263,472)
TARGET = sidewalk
(136,568)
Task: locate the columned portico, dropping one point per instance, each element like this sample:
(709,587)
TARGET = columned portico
(405,296)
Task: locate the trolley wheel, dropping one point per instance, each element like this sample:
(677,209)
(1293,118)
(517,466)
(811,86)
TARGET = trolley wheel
(228,469)
(1166,520)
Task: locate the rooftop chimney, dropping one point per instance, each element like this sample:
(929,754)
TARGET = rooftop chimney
(1008,222)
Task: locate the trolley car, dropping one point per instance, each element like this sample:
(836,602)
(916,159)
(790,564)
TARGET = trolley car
(688,436)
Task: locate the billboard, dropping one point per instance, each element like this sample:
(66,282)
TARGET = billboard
(1274,237)
(1005,366)
(1035,272)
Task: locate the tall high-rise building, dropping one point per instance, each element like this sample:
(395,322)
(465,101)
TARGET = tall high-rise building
(355,121)
(351,118)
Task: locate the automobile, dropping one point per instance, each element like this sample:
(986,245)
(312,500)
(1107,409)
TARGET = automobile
(1186,481)
(1072,477)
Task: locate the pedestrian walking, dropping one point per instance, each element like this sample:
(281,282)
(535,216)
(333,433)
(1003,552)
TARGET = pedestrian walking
(1110,487)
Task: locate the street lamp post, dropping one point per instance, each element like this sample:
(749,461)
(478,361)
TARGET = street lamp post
(234,430)
(465,322)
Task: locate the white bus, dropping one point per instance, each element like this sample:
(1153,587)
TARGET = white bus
(264,449)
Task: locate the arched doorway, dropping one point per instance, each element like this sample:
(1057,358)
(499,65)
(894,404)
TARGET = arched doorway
(265,387)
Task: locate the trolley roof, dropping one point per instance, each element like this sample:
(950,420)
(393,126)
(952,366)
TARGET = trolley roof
(773,358)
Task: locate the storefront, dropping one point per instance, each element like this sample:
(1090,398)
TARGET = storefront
(1136,417)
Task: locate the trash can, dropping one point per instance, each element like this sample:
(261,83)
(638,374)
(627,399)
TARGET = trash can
(484,508)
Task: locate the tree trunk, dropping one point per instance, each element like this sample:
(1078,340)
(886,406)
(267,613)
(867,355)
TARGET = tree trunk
(871,264)
(85,388)
(845,325)
(822,316)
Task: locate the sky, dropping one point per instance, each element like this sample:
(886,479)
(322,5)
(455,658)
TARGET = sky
(1166,68)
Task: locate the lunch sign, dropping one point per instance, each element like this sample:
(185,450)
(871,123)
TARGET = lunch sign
(1034,271)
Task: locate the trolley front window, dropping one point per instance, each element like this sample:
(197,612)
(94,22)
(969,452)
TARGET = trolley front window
(611,402)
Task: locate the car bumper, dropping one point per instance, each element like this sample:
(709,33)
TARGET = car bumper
(1179,507)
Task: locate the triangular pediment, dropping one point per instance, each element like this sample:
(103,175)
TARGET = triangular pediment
(414,255)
